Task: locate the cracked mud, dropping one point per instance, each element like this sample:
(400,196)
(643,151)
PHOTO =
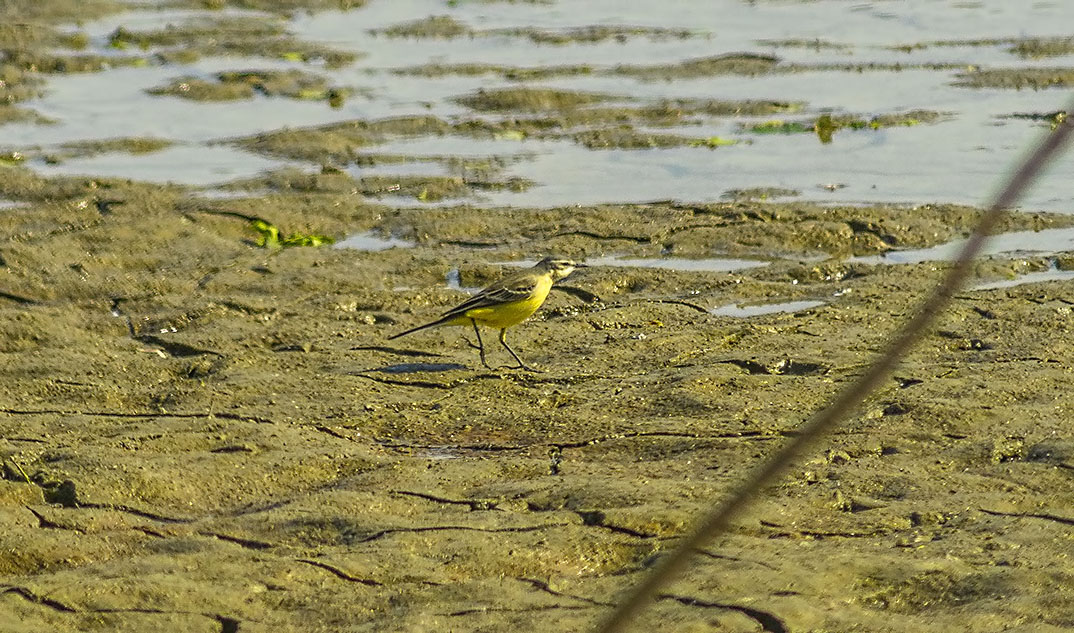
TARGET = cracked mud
(199,434)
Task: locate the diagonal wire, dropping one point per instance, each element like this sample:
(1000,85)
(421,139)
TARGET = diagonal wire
(849,398)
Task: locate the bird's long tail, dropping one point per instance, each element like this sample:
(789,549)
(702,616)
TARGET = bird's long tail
(421,327)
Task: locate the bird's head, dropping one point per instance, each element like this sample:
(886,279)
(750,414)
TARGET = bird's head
(559,267)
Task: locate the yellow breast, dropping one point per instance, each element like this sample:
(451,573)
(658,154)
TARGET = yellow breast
(505,315)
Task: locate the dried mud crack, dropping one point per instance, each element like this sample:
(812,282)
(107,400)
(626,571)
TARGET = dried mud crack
(204,426)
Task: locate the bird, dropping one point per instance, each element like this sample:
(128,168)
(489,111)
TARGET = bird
(505,303)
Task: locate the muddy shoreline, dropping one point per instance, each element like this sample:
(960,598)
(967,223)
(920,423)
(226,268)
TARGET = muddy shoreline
(200,433)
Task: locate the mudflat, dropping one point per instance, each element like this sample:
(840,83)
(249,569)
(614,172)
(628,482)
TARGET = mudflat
(204,427)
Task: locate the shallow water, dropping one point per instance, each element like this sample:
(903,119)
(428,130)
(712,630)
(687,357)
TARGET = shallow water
(372,242)
(956,160)
(1015,243)
(1051,274)
(196,165)
(711,264)
(177,399)
(744,311)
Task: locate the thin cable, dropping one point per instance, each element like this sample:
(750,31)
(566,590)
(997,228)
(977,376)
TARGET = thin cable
(848,399)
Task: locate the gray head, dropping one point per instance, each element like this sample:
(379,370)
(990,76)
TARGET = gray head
(559,267)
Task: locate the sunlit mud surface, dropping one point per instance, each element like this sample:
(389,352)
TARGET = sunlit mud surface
(204,427)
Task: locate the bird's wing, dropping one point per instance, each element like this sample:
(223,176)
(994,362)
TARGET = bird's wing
(504,291)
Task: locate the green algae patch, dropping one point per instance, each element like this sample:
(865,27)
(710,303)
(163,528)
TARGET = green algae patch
(779,126)
(269,236)
(1016,78)
(713,142)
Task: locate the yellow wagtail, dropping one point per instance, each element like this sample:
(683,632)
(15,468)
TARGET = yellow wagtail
(507,302)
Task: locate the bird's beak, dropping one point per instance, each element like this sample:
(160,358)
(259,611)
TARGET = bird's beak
(580,265)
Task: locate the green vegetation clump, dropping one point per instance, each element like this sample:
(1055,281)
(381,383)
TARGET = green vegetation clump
(1016,78)
(732,64)
(129,145)
(269,236)
(236,85)
(530,99)
(1037,48)
(226,36)
(435,26)
(826,124)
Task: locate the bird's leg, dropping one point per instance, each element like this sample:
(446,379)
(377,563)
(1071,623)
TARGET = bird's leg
(480,346)
(521,365)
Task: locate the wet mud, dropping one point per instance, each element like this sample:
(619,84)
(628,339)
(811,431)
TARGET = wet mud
(199,433)
(197,430)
